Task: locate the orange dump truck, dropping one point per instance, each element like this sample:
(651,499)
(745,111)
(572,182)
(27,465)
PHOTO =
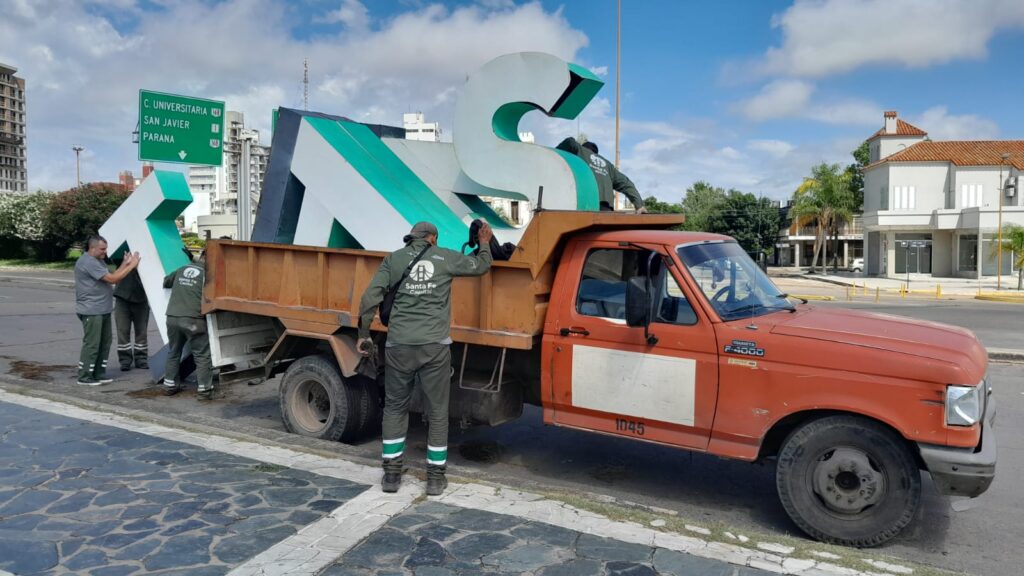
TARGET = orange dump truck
(615,324)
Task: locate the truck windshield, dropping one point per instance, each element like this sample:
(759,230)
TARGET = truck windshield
(731,281)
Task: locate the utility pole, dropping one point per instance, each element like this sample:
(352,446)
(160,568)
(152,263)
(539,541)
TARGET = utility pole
(305,84)
(999,242)
(245,139)
(618,82)
(78,165)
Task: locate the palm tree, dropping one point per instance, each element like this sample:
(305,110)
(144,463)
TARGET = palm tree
(826,200)
(1013,241)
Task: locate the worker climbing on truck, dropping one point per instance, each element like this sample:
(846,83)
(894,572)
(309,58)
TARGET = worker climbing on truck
(609,178)
(418,342)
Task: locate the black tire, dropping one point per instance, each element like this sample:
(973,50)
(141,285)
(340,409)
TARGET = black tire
(848,480)
(317,401)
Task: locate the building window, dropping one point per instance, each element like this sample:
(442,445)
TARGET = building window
(904,197)
(884,198)
(970,195)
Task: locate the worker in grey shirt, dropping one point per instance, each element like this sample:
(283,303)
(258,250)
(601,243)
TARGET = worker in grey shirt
(418,343)
(94,302)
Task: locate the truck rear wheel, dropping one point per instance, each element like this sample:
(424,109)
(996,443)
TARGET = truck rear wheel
(317,401)
(848,480)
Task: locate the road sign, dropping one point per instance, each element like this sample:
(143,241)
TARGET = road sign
(180,129)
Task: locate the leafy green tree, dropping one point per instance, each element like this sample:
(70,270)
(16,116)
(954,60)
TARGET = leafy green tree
(856,172)
(656,206)
(74,214)
(826,200)
(752,221)
(703,205)
(21,222)
(1013,241)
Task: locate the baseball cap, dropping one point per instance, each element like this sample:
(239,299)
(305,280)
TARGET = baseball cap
(421,230)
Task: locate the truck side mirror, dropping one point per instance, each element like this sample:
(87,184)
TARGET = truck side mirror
(638,302)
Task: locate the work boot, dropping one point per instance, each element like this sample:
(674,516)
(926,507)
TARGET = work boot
(126,367)
(391,481)
(205,394)
(170,389)
(436,483)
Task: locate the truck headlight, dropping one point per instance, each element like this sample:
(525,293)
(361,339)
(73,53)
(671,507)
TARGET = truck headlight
(965,404)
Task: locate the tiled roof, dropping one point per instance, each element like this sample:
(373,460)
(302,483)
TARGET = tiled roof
(902,129)
(962,153)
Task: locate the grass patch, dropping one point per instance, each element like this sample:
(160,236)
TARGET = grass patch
(30,263)
(673,523)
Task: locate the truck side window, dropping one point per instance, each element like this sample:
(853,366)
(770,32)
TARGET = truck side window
(674,307)
(603,284)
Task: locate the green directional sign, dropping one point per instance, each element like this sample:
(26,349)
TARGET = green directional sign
(180,129)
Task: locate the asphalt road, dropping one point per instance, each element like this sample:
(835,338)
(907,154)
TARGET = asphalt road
(39,337)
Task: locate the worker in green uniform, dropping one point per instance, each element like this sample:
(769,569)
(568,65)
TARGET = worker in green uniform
(609,179)
(131,309)
(418,342)
(94,302)
(186,324)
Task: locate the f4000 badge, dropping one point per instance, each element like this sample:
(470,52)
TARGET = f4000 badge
(744,347)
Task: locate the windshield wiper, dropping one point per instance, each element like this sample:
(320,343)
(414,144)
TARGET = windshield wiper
(787,296)
(734,313)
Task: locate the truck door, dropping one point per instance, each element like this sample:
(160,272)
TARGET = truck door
(607,377)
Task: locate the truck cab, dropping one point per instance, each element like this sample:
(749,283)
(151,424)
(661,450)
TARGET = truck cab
(678,338)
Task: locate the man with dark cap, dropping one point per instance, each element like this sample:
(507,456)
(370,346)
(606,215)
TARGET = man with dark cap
(418,342)
(609,179)
(186,324)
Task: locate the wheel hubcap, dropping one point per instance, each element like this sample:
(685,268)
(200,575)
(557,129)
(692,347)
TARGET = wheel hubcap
(847,481)
(311,405)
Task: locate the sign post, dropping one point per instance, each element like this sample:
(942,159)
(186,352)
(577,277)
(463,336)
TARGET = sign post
(180,129)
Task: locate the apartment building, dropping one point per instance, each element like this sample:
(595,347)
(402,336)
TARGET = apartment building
(13,171)
(221,183)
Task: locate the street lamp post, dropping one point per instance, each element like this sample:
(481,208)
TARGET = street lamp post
(78,165)
(999,241)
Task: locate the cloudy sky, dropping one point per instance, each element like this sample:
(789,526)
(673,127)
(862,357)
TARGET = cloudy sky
(742,93)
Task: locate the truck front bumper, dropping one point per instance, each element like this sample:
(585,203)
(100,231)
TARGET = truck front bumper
(965,471)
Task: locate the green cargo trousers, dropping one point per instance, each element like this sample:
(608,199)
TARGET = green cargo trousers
(182,330)
(92,363)
(127,315)
(403,366)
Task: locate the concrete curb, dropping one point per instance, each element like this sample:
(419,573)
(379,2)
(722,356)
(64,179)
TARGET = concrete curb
(1006,355)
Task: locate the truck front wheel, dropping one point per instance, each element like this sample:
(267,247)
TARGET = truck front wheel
(848,480)
(317,401)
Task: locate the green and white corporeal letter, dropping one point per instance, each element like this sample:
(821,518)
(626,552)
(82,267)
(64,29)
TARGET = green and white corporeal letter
(365,191)
(144,223)
(486,130)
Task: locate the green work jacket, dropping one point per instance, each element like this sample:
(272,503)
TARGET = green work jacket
(422,310)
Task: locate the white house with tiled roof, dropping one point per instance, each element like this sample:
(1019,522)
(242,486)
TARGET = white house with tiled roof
(932,208)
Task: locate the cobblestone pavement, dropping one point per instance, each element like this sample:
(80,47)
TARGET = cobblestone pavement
(83,498)
(98,493)
(435,539)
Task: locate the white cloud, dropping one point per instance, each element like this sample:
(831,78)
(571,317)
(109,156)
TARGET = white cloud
(774,148)
(778,99)
(352,13)
(940,125)
(83,74)
(793,99)
(825,37)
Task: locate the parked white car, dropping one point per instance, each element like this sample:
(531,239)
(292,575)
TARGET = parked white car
(857,265)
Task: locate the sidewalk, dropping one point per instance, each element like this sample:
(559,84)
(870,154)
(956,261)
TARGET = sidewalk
(917,282)
(88,492)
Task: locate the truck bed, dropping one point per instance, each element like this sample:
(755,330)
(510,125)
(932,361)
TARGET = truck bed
(318,290)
